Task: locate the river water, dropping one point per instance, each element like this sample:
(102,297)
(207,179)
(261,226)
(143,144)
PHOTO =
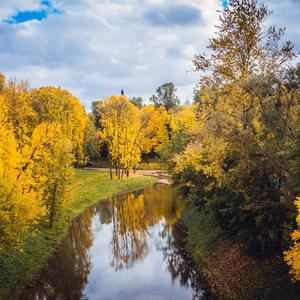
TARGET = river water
(127,247)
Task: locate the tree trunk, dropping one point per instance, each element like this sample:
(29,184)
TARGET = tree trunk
(84,161)
(110,171)
(118,170)
(110,165)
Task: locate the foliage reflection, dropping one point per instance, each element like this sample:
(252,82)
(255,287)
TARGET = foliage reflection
(135,224)
(132,216)
(67,271)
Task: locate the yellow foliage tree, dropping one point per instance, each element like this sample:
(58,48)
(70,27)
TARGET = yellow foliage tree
(57,105)
(154,131)
(41,135)
(122,132)
(184,119)
(18,206)
(292,256)
(19,110)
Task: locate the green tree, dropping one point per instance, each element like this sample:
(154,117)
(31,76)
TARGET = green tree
(166,96)
(137,101)
(96,113)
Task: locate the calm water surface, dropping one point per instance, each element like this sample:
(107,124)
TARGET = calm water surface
(127,247)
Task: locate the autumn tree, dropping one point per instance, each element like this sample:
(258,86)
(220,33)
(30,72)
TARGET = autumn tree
(41,137)
(292,255)
(19,110)
(153,128)
(121,130)
(20,205)
(181,126)
(247,107)
(59,106)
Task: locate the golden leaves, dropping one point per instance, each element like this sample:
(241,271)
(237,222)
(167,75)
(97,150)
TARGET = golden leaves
(292,256)
(41,131)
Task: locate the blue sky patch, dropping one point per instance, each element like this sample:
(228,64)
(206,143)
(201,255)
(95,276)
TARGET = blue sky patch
(24,16)
(224,3)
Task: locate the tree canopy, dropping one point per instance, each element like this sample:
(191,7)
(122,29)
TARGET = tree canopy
(246,108)
(165,96)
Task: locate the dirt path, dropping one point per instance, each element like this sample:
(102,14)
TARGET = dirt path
(162,176)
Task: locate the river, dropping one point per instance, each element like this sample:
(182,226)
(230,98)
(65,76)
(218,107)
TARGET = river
(131,246)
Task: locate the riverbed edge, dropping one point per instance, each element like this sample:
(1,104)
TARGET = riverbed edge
(231,273)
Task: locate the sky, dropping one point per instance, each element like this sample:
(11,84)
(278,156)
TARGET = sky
(95,48)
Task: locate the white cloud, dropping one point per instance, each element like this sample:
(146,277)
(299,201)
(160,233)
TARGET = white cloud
(97,48)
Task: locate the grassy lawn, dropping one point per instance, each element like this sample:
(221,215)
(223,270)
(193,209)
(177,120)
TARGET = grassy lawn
(18,268)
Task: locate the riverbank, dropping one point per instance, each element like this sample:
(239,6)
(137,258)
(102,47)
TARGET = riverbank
(18,268)
(231,273)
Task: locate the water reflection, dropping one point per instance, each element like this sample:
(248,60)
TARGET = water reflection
(129,242)
(127,247)
(67,272)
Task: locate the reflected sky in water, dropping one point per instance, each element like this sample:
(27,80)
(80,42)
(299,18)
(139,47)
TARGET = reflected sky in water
(127,247)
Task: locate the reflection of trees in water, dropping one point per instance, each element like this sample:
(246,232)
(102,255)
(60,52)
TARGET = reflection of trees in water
(180,263)
(132,214)
(66,274)
(104,212)
(163,202)
(129,234)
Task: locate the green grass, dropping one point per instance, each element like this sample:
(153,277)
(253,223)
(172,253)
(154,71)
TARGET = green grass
(18,268)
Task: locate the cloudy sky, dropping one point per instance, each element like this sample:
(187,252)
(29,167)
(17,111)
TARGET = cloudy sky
(95,48)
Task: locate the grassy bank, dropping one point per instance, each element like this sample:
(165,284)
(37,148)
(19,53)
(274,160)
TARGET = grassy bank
(231,272)
(18,268)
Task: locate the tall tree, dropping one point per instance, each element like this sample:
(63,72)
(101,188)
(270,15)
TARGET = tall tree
(56,105)
(41,134)
(20,204)
(121,130)
(237,152)
(92,141)
(165,96)
(96,113)
(137,101)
